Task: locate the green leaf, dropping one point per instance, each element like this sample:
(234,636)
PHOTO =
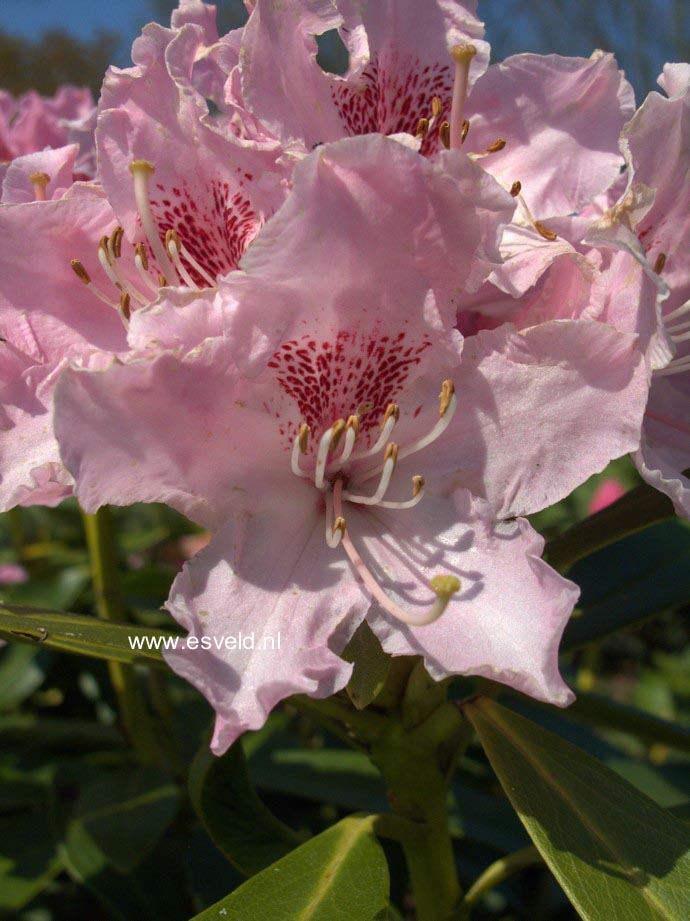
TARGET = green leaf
(20,675)
(340,874)
(371,666)
(117,817)
(28,861)
(249,835)
(609,846)
(633,512)
(611,714)
(348,779)
(630,582)
(82,635)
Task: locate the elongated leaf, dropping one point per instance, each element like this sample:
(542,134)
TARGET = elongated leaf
(602,711)
(611,848)
(28,861)
(249,835)
(631,513)
(341,873)
(347,778)
(630,582)
(82,635)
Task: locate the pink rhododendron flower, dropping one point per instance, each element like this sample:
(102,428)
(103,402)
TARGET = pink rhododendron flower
(548,121)
(608,491)
(30,123)
(311,439)
(13,574)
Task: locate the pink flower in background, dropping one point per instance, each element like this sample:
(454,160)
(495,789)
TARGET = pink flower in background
(12,574)
(608,492)
(311,439)
(548,121)
(30,123)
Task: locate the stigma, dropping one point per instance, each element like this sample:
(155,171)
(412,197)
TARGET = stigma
(344,475)
(138,274)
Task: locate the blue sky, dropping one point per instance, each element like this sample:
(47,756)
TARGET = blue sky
(642,33)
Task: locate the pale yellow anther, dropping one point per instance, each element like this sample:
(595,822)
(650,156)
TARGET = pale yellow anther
(422,128)
(353,423)
(445,586)
(436,106)
(339,525)
(140,251)
(659,263)
(365,408)
(337,430)
(417,485)
(303,437)
(545,232)
(116,242)
(463,52)
(391,453)
(444,134)
(496,145)
(80,271)
(465,130)
(516,188)
(162,281)
(445,396)
(125,305)
(142,166)
(391,410)
(39,181)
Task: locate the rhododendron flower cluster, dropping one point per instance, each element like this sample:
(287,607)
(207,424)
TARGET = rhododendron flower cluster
(250,310)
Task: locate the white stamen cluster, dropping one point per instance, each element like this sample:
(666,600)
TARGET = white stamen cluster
(329,476)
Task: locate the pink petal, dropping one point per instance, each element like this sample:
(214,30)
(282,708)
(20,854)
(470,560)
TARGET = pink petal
(268,575)
(506,621)
(172,430)
(58,165)
(560,118)
(541,411)
(369,227)
(665,450)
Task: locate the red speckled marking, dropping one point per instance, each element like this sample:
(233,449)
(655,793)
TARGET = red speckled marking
(329,379)
(216,227)
(392,94)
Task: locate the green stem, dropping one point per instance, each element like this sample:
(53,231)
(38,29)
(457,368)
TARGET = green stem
(417,791)
(134,712)
(494,875)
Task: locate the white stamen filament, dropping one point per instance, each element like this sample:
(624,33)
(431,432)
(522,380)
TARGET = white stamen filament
(109,264)
(299,446)
(384,482)
(321,457)
(417,496)
(141,170)
(680,337)
(390,418)
(678,312)
(196,266)
(172,242)
(141,262)
(335,531)
(462,55)
(678,328)
(677,366)
(443,586)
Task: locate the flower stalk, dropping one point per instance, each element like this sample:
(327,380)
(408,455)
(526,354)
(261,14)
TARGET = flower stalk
(134,713)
